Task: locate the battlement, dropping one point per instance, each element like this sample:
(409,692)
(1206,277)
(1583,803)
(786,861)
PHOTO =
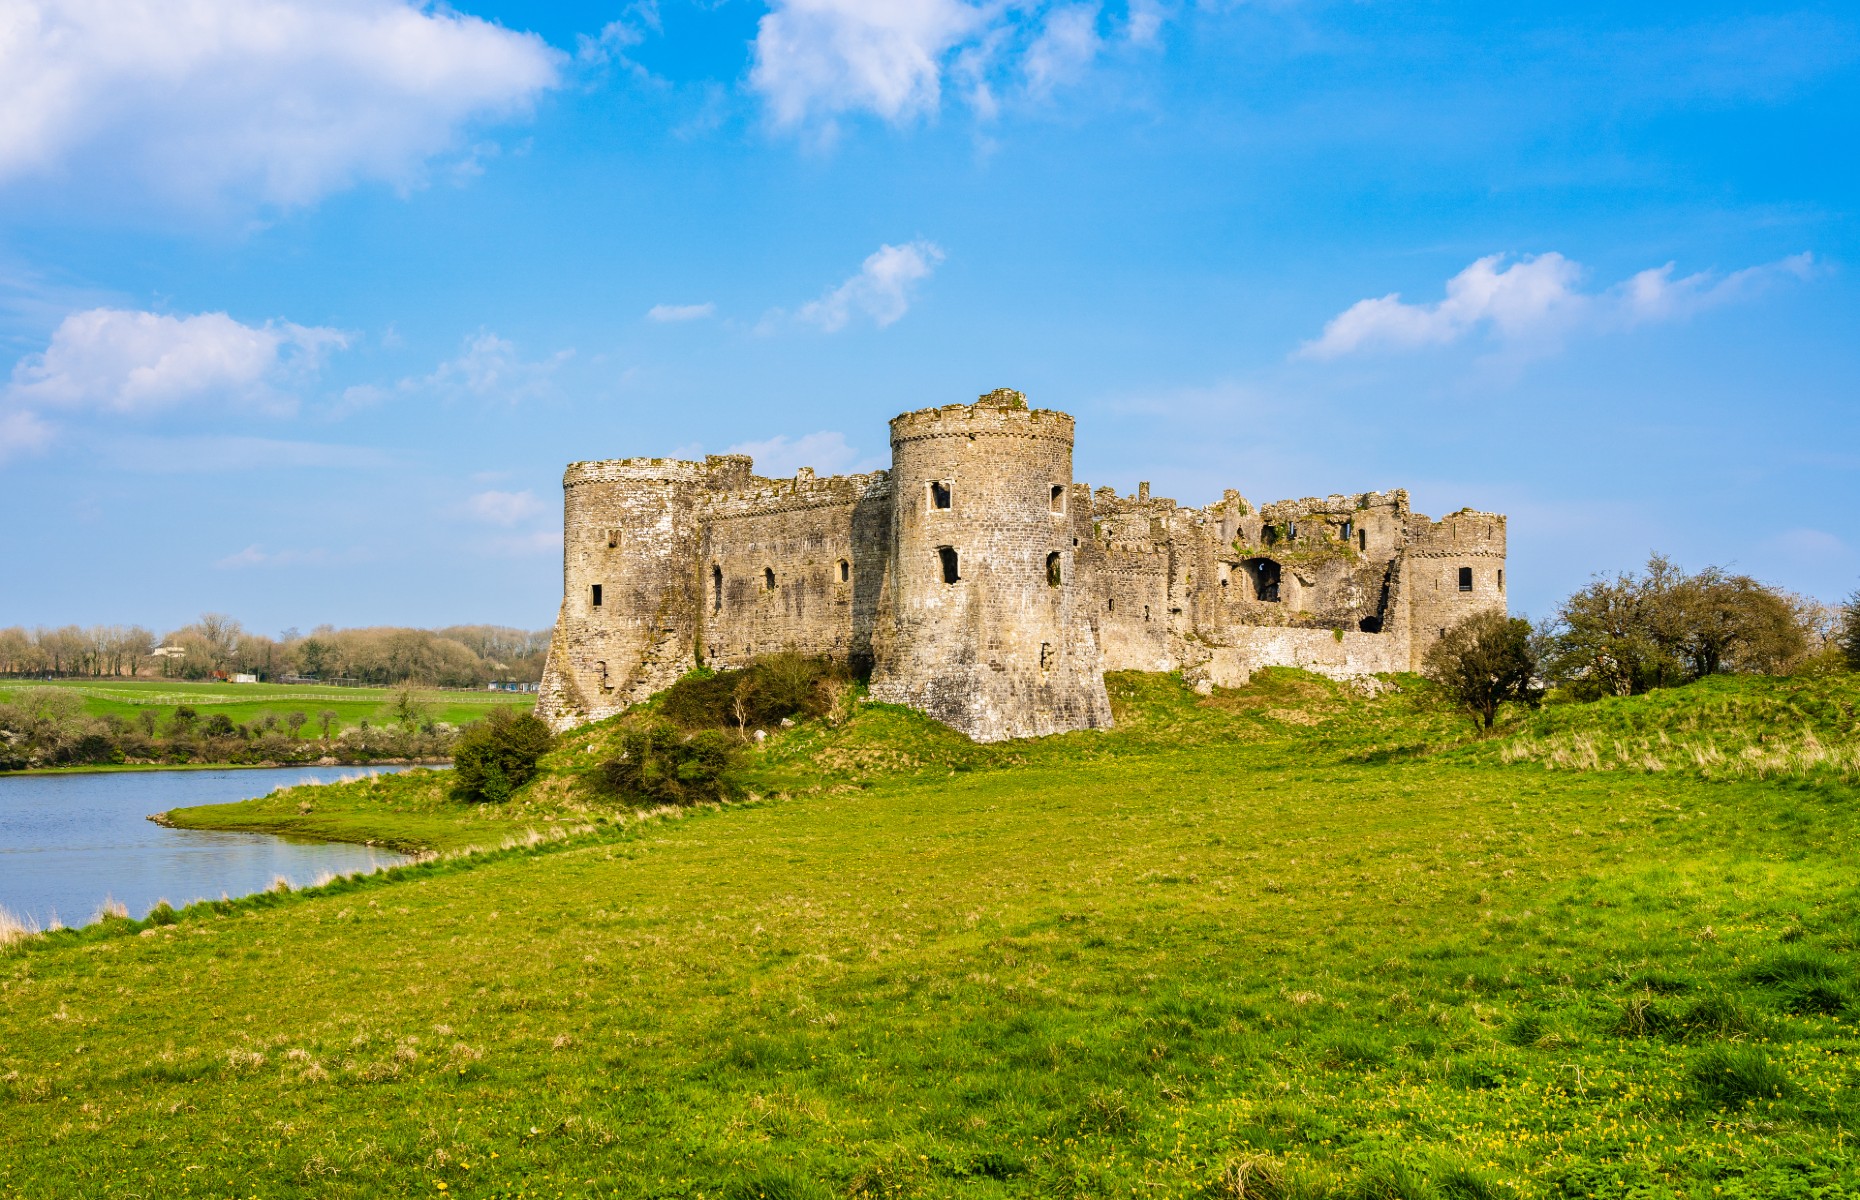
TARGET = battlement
(1001,412)
(978,581)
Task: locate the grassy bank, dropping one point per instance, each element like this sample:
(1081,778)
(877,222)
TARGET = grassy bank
(1289,941)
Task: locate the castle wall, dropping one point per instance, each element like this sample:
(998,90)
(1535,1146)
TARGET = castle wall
(795,564)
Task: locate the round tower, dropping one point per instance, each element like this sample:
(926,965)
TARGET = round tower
(628,621)
(990,633)
(1452,568)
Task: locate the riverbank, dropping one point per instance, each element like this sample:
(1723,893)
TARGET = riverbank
(123,768)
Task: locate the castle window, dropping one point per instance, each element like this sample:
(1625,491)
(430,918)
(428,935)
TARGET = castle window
(1348,527)
(1268,534)
(1059,498)
(845,570)
(716,588)
(1291,529)
(1465,579)
(1362,539)
(1046,655)
(594,595)
(768,579)
(1110,604)
(947,556)
(600,670)
(939,494)
(1501,579)
(613,539)
(1052,569)
(1146,612)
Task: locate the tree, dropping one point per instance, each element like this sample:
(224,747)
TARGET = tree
(409,709)
(294,721)
(1485,661)
(1847,636)
(496,756)
(326,718)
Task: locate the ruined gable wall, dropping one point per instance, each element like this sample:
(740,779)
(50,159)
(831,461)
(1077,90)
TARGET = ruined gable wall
(1132,597)
(827,541)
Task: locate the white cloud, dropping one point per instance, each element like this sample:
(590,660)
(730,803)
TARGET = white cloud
(1067,44)
(256,555)
(817,60)
(222,453)
(1654,295)
(822,57)
(504,508)
(881,290)
(280,100)
(491,367)
(680,312)
(1536,299)
(22,433)
(826,452)
(140,362)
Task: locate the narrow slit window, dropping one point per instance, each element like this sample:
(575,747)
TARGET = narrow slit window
(1046,655)
(613,539)
(594,595)
(1059,498)
(1146,612)
(1052,569)
(716,588)
(768,579)
(1501,579)
(1362,539)
(939,494)
(1465,579)
(1110,604)
(600,670)
(845,571)
(947,556)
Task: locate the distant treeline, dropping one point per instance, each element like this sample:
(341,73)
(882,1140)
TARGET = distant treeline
(217,646)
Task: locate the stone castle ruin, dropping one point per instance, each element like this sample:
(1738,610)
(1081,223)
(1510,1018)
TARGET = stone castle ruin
(978,582)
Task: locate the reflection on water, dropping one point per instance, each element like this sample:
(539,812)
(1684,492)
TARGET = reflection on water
(69,841)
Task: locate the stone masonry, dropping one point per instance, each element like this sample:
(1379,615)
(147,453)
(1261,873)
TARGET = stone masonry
(978,582)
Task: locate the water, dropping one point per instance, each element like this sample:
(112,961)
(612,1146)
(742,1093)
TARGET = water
(68,841)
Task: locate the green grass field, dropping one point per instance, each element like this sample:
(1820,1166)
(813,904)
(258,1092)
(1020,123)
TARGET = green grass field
(1283,942)
(246,702)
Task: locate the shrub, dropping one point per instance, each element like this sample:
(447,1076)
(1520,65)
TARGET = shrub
(496,756)
(796,686)
(659,764)
(1733,1076)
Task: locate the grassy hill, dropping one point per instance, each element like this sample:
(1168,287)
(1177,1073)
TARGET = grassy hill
(1285,941)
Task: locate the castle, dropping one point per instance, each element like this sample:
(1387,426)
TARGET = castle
(977,582)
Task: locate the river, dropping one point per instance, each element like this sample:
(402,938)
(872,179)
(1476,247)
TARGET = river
(68,842)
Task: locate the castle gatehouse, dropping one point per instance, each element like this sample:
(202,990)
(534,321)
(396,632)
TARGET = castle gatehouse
(976,581)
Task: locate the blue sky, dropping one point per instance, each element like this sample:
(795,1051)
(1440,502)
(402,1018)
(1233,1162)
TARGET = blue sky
(304,306)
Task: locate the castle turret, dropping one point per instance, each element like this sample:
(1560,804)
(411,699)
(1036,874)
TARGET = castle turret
(1452,568)
(990,630)
(630,589)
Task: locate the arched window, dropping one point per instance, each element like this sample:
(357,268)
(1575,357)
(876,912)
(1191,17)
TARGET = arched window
(1059,498)
(845,571)
(1052,569)
(947,556)
(768,579)
(613,539)
(716,588)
